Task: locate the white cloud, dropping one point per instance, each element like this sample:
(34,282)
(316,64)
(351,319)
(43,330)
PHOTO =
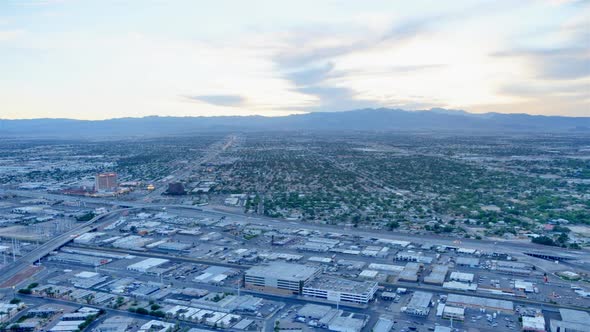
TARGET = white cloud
(8,35)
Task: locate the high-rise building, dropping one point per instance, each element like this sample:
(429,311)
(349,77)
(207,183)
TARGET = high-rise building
(105,181)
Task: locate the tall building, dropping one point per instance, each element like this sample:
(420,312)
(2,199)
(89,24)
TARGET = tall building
(105,181)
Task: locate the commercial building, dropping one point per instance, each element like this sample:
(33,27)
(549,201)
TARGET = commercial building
(341,290)
(105,181)
(419,304)
(280,277)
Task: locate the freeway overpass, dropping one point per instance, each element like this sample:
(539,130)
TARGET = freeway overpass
(520,250)
(55,243)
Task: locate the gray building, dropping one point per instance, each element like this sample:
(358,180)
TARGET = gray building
(280,277)
(419,304)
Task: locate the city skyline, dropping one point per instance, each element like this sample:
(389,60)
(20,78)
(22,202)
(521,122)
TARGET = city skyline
(99,60)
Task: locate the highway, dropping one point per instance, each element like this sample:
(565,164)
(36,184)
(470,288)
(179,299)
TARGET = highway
(55,243)
(581,258)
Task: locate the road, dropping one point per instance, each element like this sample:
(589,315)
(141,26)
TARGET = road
(516,249)
(55,243)
(181,174)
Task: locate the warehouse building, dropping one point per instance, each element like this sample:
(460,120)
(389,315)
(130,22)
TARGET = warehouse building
(480,302)
(571,321)
(146,264)
(341,290)
(533,324)
(437,275)
(79,259)
(454,313)
(279,277)
(468,261)
(410,272)
(419,304)
(462,277)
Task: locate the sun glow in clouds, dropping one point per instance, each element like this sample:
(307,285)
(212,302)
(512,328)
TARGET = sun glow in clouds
(67,59)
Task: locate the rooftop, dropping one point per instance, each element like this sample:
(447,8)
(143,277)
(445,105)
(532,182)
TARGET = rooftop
(284,271)
(574,316)
(420,300)
(342,285)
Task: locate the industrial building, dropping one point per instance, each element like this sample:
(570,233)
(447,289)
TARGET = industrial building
(571,321)
(419,304)
(410,272)
(533,323)
(79,259)
(437,275)
(115,324)
(384,324)
(280,277)
(412,256)
(341,290)
(480,302)
(512,268)
(454,313)
(146,264)
(105,182)
(457,285)
(467,261)
(462,277)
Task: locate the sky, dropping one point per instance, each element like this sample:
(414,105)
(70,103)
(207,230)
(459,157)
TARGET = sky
(110,59)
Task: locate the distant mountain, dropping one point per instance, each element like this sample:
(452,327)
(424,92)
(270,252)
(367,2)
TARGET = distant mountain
(365,119)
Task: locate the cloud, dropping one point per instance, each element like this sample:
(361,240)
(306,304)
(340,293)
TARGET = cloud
(335,99)
(370,55)
(555,63)
(220,100)
(565,67)
(8,35)
(311,75)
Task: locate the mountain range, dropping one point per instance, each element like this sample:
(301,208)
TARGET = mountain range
(359,120)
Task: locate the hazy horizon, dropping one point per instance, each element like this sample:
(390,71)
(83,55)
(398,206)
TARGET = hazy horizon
(459,112)
(97,60)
